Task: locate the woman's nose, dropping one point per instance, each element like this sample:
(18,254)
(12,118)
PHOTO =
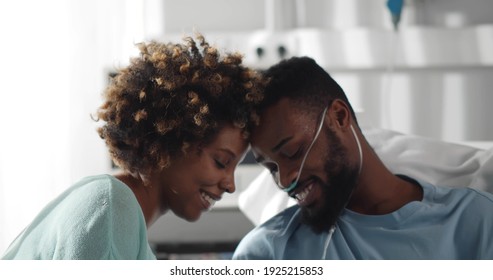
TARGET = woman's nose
(228,184)
(228,187)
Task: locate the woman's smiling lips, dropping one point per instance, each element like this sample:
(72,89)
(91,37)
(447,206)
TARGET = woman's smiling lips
(208,199)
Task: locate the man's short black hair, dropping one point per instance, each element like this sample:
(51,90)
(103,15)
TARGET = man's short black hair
(303,80)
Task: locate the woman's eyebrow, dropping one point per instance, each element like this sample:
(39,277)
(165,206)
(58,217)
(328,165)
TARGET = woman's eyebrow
(228,151)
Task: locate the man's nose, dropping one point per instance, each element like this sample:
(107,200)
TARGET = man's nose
(287,177)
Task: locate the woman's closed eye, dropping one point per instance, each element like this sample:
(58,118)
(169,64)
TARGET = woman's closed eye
(220,164)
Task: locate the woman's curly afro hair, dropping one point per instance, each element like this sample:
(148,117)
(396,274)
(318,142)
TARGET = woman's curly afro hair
(174,96)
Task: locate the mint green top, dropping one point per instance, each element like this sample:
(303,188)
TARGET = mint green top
(97,218)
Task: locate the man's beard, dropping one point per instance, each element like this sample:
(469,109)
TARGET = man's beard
(336,193)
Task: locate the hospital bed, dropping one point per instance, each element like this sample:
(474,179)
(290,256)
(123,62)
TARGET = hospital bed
(467,164)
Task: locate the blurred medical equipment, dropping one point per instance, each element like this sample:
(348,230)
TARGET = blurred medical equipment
(395,8)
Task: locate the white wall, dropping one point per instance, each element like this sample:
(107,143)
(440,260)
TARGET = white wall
(55,56)
(32,99)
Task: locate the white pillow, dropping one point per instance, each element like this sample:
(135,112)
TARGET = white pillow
(434,161)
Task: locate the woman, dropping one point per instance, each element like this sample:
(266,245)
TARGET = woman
(176,123)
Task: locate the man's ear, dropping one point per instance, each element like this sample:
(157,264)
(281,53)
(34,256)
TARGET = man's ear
(339,112)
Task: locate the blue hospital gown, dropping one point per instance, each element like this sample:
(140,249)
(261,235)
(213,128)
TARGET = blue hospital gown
(447,224)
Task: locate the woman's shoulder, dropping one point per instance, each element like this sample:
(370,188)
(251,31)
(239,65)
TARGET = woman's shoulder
(107,211)
(102,182)
(101,190)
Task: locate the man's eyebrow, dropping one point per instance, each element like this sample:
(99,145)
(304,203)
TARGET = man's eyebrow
(280,144)
(274,150)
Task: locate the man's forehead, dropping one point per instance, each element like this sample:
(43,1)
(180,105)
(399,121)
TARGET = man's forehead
(272,122)
(285,110)
(276,122)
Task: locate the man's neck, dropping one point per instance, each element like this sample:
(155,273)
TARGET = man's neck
(380,192)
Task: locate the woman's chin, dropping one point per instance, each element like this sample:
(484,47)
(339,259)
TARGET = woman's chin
(190,217)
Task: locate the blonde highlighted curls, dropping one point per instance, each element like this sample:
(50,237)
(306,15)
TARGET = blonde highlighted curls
(172,97)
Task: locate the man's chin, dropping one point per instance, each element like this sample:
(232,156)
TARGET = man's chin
(323,215)
(336,193)
(319,221)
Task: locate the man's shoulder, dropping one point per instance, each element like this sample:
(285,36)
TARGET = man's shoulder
(469,207)
(463,195)
(477,202)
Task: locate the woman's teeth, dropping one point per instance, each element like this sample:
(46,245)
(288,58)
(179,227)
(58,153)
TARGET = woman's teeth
(209,199)
(303,194)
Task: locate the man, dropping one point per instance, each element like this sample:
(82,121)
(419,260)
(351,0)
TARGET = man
(350,206)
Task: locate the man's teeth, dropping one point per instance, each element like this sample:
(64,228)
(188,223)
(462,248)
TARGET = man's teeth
(208,199)
(303,194)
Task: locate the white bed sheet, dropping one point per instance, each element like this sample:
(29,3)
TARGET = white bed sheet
(438,162)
